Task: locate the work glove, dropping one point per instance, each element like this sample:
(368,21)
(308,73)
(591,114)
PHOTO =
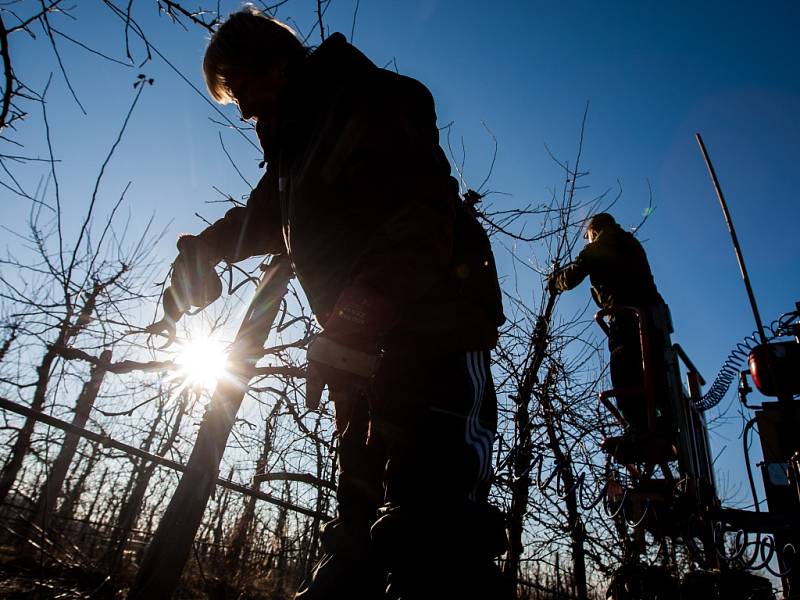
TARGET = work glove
(194,283)
(552,285)
(346,355)
(194,280)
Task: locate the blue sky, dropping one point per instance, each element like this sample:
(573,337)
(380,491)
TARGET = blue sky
(654,74)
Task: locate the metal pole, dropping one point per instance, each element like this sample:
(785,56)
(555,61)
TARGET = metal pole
(737,249)
(784,430)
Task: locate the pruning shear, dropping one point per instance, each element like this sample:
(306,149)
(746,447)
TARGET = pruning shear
(166,326)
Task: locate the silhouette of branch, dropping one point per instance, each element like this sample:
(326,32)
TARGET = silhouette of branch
(286,476)
(647,211)
(89,212)
(46,25)
(124,366)
(8,75)
(88,49)
(355,15)
(192,16)
(282,371)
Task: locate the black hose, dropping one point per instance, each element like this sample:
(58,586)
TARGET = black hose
(746,449)
(780,327)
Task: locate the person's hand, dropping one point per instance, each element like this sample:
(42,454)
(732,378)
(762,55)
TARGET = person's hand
(166,326)
(194,282)
(340,368)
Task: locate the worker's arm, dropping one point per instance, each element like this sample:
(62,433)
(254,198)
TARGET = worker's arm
(575,272)
(244,231)
(249,230)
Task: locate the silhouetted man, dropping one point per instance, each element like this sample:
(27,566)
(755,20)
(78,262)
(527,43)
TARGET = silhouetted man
(401,277)
(617,267)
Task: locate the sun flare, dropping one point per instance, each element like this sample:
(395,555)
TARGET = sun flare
(201,363)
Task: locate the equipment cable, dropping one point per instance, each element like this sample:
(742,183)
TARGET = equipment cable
(780,327)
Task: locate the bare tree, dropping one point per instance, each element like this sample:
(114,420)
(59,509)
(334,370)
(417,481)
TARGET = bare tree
(143,472)
(52,488)
(550,367)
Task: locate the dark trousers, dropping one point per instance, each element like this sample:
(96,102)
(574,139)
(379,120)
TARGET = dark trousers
(627,371)
(414,474)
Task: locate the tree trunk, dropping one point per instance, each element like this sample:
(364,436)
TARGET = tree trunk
(101,495)
(243,525)
(519,485)
(219,525)
(522,443)
(67,508)
(574,523)
(11,468)
(312,551)
(278,545)
(131,508)
(160,572)
(152,516)
(66,332)
(51,490)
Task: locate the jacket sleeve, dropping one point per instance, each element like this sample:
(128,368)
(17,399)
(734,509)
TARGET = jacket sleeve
(575,272)
(249,230)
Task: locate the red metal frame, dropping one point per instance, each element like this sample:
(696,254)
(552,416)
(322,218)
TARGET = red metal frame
(647,389)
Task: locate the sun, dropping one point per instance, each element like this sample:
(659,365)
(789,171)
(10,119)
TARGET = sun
(201,363)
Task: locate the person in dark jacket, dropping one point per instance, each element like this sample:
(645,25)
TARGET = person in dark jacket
(400,275)
(617,267)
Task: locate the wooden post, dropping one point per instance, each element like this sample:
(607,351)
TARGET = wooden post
(160,572)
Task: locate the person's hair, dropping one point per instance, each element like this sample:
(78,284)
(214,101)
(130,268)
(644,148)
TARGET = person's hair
(247,40)
(601,221)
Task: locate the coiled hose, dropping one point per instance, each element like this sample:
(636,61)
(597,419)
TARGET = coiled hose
(780,327)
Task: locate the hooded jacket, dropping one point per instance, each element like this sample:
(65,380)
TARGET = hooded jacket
(358,192)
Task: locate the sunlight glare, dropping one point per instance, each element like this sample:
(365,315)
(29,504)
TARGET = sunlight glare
(202,362)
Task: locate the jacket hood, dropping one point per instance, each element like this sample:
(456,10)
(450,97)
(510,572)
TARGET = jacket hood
(333,66)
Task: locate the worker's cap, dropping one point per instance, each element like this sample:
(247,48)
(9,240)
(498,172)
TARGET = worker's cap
(599,222)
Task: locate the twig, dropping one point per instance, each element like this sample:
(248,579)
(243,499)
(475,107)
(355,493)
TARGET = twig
(52,39)
(286,476)
(7,74)
(180,74)
(494,158)
(647,211)
(233,163)
(189,15)
(88,49)
(90,210)
(23,25)
(124,366)
(319,21)
(355,14)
